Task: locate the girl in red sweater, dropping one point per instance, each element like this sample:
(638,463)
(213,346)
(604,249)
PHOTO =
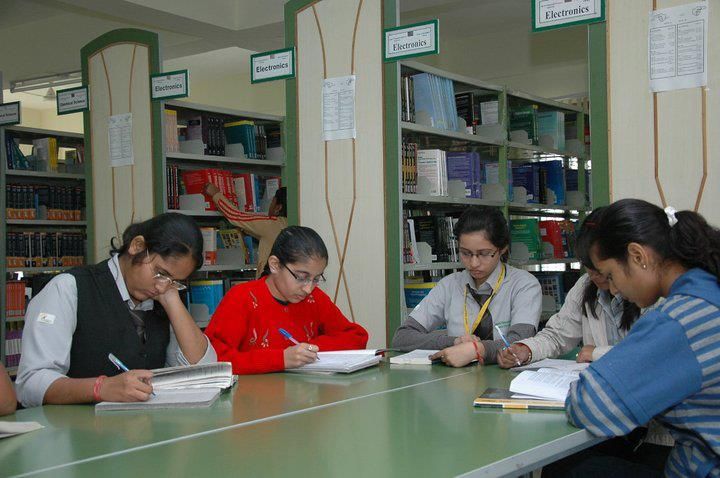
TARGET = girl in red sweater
(245,327)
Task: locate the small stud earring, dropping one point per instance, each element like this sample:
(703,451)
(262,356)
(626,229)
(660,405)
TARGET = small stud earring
(644,266)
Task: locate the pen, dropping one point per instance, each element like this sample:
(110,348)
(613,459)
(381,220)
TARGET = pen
(121,366)
(507,345)
(287,335)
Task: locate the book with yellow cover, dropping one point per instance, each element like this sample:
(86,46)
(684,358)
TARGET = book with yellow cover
(504,398)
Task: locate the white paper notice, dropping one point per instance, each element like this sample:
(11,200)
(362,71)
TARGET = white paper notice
(677,47)
(338,108)
(120,140)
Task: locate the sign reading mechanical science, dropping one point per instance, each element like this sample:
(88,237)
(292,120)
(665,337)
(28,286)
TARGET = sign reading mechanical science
(549,14)
(411,40)
(272,65)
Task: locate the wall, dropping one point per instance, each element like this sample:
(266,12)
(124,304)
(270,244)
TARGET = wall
(222,78)
(631,116)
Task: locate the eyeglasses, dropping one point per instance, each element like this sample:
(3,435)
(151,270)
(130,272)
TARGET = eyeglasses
(165,281)
(482,255)
(305,280)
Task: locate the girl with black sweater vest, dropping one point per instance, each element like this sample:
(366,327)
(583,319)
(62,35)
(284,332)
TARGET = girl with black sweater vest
(127,305)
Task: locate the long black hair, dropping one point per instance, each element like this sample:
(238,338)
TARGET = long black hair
(168,235)
(691,242)
(297,244)
(487,219)
(583,242)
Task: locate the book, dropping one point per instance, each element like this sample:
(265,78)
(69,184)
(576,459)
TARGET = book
(416,357)
(504,398)
(193,398)
(544,384)
(8,429)
(207,375)
(342,361)
(555,364)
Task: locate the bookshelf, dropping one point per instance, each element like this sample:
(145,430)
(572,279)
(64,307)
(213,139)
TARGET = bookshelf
(214,152)
(47,231)
(499,142)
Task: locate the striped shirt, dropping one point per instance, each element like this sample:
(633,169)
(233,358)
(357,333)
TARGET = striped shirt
(667,367)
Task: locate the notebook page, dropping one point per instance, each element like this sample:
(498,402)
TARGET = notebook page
(545,383)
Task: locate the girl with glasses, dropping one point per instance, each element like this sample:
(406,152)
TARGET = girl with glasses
(667,366)
(247,327)
(127,305)
(462,314)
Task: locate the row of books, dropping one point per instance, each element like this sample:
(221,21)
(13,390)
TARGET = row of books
(544,182)
(434,101)
(533,239)
(15,298)
(545,128)
(253,137)
(434,230)
(207,128)
(13,343)
(62,203)
(45,249)
(247,191)
(428,171)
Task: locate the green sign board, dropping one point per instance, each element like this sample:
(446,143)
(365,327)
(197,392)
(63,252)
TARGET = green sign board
(409,41)
(72,100)
(550,14)
(166,86)
(272,65)
(9,113)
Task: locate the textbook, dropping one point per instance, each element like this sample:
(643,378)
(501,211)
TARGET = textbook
(503,398)
(544,384)
(209,375)
(167,398)
(416,357)
(341,361)
(556,364)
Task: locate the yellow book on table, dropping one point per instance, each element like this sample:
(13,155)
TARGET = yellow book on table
(504,398)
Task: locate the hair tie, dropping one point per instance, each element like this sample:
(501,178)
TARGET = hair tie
(670,213)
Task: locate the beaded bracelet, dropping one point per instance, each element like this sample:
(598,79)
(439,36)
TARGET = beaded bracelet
(96,388)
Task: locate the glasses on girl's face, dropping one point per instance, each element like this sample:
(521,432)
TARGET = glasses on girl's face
(305,280)
(482,255)
(164,280)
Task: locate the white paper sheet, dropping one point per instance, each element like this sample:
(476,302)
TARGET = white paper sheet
(338,107)
(8,429)
(120,140)
(677,47)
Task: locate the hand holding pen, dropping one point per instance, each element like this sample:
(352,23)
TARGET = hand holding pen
(300,354)
(507,345)
(130,386)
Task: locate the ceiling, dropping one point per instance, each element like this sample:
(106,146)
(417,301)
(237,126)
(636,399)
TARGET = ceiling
(45,36)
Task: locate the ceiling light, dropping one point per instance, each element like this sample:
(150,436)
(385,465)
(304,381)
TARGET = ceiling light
(51,81)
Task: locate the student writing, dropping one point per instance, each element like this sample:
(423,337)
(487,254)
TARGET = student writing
(262,227)
(245,328)
(470,303)
(667,366)
(127,305)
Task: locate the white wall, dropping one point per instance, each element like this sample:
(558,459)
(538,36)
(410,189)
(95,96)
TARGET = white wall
(631,116)
(222,78)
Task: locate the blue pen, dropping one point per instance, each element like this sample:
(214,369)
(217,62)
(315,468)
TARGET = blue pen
(121,366)
(507,345)
(287,335)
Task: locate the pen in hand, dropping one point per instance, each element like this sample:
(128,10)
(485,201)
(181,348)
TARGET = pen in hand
(287,335)
(507,345)
(121,366)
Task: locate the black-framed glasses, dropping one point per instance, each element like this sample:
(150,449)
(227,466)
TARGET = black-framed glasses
(305,280)
(482,255)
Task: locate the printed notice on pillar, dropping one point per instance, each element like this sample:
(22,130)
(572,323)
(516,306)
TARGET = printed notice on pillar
(677,47)
(338,107)
(120,140)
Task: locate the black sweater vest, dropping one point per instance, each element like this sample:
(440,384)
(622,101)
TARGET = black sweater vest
(104,326)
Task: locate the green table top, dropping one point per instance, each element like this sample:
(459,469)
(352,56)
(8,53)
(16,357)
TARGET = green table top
(399,421)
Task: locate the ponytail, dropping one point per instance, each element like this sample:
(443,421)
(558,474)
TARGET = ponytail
(691,241)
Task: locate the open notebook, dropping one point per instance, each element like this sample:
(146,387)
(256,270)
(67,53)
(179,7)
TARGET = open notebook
(416,357)
(189,398)
(556,364)
(544,384)
(342,361)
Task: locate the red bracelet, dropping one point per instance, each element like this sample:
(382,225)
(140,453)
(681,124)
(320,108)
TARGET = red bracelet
(96,388)
(477,353)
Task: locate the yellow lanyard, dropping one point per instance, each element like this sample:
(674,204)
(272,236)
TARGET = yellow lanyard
(483,309)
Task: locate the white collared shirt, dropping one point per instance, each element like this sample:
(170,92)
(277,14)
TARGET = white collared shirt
(50,323)
(518,301)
